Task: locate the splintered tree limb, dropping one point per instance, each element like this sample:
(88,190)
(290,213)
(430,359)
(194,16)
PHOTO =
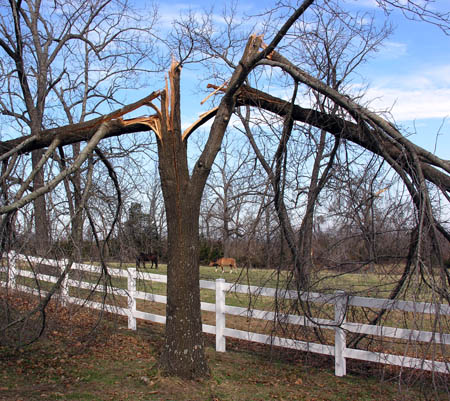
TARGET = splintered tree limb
(338,127)
(74,133)
(346,130)
(205,117)
(247,96)
(354,109)
(115,128)
(215,91)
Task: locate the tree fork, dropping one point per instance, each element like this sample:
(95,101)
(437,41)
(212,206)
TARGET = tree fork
(183,353)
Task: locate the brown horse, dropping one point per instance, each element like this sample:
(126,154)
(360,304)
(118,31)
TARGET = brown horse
(224,262)
(147,257)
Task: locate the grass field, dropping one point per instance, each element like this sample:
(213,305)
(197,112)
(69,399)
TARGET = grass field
(111,363)
(121,365)
(368,284)
(376,284)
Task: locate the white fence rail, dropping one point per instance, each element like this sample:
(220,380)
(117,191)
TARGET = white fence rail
(339,300)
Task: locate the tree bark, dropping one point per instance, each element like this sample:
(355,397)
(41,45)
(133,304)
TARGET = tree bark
(41,239)
(183,353)
(247,96)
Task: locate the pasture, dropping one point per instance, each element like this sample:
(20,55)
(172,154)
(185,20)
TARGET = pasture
(80,359)
(372,284)
(124,363)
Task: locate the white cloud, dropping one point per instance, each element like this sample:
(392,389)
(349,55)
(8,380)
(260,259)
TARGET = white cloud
(364,3)
(411,104)
(417,95)
(391,49)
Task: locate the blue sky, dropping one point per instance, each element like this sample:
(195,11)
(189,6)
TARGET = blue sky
(410,75)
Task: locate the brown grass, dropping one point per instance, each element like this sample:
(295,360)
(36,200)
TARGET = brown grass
(82,358)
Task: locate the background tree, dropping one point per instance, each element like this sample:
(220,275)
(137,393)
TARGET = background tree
(62,63)
(229,188)
(140,230)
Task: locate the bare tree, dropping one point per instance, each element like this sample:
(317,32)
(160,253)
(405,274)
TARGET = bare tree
(230,185)
(70,60)
(183,353)
(182,187)
(62,63)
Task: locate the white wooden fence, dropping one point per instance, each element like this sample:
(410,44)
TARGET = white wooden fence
(339,300)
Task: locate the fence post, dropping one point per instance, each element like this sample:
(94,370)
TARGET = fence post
(65,283)
(12,258)
(132,299)
(340,367)
(220,315)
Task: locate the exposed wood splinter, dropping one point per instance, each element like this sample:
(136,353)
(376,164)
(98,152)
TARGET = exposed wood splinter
(221,87)
(270,55)
(203,118)
(138,120)
(170,98)
(153,122)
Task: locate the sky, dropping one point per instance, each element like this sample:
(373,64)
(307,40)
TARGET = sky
(410,75)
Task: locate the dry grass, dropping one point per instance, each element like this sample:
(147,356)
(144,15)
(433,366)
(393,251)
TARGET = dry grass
(80,358)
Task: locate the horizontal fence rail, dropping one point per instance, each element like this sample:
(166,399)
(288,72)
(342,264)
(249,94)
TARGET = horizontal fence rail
(339,300)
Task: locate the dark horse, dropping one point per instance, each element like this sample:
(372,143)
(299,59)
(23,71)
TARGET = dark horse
(147,257)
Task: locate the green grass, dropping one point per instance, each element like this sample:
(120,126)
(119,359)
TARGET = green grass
(324,281)
(366,282)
